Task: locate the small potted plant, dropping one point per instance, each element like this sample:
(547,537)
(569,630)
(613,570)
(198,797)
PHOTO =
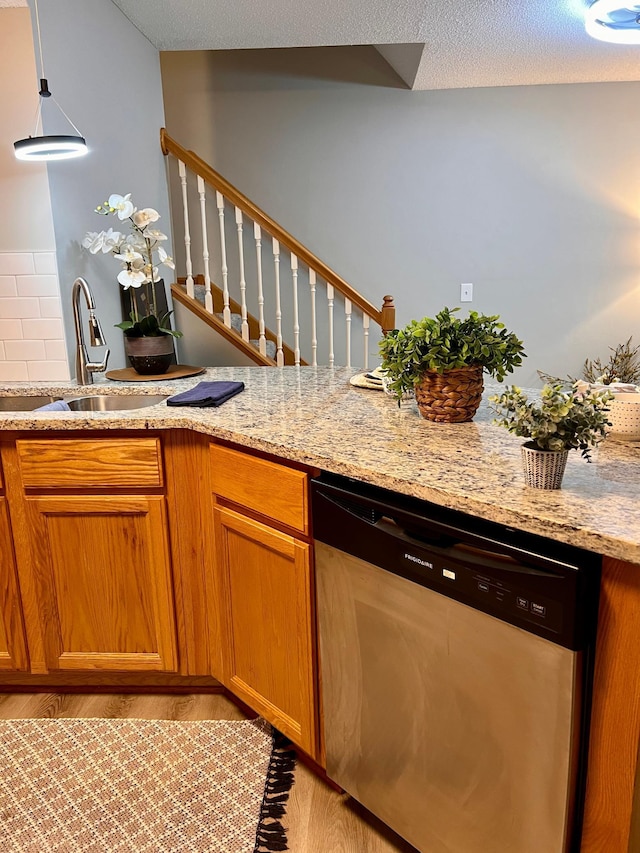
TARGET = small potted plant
(562,420)
(148,336)
(443,359)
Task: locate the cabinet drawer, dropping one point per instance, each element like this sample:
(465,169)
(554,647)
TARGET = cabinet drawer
(273,490)
(72,463)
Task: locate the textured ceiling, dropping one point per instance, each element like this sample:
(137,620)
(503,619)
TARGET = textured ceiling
(470,43)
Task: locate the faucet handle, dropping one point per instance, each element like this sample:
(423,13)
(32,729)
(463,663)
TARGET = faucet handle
(99,367)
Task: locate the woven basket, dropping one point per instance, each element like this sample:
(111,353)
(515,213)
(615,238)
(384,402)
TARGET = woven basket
(543,469)
(451,397)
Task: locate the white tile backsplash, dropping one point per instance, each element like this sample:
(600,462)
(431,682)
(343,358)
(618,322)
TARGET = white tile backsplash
(8,286)
(14,371)
(37,285)
(32,344)
(17,263)
(11,330)
(48,329)
(17,308)
(25,351)
(45,263)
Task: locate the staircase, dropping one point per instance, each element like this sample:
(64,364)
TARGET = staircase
(258,281)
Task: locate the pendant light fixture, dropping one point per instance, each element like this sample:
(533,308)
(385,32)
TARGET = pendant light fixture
(52,147)
(616,21)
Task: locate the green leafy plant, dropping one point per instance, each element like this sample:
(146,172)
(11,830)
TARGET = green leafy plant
(561,420)
(445,342)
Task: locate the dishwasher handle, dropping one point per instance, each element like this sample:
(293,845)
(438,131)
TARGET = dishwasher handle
(482,559)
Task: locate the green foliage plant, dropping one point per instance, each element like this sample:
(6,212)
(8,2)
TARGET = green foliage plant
(561,420)
(445,342)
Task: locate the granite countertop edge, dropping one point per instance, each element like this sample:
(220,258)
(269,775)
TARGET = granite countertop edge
(313,416)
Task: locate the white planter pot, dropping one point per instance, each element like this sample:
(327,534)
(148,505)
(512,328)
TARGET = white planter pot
(543,469)
(624,416)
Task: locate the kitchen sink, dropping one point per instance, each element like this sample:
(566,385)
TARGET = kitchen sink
(114,402)
(24,403)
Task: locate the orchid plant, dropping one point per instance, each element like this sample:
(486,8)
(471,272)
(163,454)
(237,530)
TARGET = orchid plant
(139,251)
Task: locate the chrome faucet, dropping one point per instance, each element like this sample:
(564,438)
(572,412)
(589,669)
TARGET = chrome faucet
(85,368)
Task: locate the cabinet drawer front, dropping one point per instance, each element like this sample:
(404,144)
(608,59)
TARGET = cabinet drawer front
(273,490)
(67,463)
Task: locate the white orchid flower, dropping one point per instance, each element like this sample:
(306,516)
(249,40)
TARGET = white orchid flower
(133,259)
(111,240)
(155,235)
(144,217)
(131,278)
(121,205)
(93,241)
(165,259)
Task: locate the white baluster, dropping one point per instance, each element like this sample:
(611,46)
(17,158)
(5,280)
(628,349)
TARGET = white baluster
(365,330)
(276,263)
(314,330)
(182,170)
(226,311)
(347,319)
(296,319)
(262,340)
(330,297)
(243,283)
(208,298)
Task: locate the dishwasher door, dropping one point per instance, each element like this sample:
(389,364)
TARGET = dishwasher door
(459,730)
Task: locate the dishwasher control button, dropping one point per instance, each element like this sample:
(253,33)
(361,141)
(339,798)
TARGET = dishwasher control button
(447,573)
(484,587)
(538,609)
(522,603)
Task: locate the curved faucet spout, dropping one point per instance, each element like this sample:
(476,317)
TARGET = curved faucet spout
(85,368)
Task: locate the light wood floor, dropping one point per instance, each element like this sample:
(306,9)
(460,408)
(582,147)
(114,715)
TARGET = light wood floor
(319,820)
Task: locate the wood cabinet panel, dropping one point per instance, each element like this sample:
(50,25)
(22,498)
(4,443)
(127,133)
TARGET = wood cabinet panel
(13,654)
(273,490)
(103,582)
(269,654)
(615,716)
(90,463)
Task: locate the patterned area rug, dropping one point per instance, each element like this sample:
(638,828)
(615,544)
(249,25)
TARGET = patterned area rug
(149,786)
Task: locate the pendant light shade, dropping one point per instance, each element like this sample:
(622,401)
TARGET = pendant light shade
(55,146)
(616,21)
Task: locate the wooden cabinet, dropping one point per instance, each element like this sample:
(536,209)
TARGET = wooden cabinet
(265,584)
(94,567)
(13,655)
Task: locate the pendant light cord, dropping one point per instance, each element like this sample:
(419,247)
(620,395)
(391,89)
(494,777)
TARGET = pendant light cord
(42,74)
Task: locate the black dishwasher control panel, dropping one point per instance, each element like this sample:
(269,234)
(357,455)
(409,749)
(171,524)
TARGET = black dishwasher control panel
(545,587)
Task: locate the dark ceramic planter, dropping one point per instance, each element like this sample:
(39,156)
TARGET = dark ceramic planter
(149,356)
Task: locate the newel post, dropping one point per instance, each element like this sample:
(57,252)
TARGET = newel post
(388,314)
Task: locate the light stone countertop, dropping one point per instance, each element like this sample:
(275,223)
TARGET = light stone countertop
(314,416)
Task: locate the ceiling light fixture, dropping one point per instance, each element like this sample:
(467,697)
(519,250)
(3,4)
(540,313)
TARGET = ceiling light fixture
(52,147)
(617,21)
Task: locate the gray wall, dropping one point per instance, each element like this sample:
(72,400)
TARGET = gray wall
(531,193)
(106,76)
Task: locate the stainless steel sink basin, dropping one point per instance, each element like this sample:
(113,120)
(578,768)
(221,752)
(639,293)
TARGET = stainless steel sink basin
(23,403)
(114,402)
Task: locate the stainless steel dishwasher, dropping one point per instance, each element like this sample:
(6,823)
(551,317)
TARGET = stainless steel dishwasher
(456,659)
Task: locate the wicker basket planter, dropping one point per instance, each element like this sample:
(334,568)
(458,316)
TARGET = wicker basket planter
(543,469)
(451,397)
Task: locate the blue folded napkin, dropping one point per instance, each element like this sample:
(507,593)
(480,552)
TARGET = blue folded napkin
(207,394)
(57,406)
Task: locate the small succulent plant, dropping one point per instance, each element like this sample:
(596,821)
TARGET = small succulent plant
(561,420)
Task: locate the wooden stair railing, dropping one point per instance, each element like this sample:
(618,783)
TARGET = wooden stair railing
(215,321)
(304,268)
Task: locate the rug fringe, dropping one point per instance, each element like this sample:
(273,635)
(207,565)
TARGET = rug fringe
(271,835)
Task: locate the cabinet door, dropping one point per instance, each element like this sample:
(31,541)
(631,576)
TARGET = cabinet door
(102,581)
(12,644)
(265,579)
